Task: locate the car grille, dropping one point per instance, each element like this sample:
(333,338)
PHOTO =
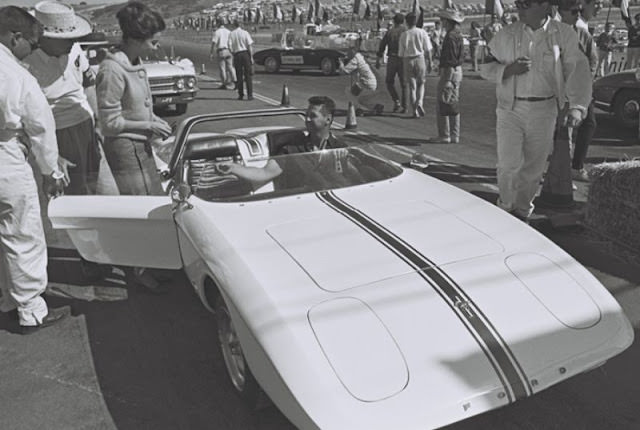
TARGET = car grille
(161,83)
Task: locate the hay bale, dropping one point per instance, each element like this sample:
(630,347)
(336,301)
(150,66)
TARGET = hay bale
(613,204)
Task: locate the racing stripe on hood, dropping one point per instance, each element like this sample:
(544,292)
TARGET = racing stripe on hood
(492,344)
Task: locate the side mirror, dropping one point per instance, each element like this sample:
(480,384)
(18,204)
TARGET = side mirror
(180,194)
(419,161)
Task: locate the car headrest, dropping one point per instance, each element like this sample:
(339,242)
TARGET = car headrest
(211,147)
(278,139)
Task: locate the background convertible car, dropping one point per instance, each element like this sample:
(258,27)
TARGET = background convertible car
(274,59)
(357,293)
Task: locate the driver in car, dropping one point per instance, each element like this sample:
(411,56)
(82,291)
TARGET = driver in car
(318,122)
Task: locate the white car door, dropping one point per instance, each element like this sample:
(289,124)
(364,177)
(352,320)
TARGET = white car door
(134,231)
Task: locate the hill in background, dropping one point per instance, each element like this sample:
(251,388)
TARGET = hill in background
(173,8)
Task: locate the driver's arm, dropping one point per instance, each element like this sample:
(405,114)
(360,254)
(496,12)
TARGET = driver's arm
(257,176)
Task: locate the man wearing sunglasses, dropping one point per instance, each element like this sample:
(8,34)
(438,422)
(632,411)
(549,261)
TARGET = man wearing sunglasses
(26,126)
(539,71)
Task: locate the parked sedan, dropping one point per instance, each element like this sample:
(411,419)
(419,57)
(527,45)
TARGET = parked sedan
(619,94)
(274,59)
(172,80)
(357,293)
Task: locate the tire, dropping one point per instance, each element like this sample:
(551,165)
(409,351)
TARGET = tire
(328,66)
(181,108)
(242,380)
(626,107)
(271,64)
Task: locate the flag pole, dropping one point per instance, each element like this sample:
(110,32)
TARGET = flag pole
(608,13)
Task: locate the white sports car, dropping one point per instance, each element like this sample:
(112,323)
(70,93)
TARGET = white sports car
(358,294)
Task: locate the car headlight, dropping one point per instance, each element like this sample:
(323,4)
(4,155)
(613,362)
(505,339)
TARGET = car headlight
(180,84)
(191,82)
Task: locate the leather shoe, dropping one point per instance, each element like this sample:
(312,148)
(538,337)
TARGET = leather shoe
(54,316)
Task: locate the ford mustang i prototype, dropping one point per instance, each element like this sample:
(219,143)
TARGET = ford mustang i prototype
(274,59)
(358,294)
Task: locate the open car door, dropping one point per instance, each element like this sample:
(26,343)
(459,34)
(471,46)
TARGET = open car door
(134,231)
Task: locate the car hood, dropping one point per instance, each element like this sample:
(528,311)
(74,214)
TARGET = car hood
(619,78)
(164,70)
(351,256)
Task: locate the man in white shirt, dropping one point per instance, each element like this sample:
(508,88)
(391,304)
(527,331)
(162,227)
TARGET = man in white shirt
(62,70)
(26,125)
(538,68)
(240,44)
(415,50)
(220,47)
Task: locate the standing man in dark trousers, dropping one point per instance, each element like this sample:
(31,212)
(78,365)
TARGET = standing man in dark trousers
(390,42)
(451,59)
(570,12)
(240,43)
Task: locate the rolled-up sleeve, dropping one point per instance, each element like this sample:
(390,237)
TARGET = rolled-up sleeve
(110,87)
(494,69)
(576,72)
(40,127)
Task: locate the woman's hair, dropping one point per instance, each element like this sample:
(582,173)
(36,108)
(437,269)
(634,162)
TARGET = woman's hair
(139,22)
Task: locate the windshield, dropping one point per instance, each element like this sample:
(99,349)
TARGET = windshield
(298,174)
(157,55)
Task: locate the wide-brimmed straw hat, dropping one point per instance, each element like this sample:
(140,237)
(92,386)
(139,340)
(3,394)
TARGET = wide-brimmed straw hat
(59,21)
(451,15)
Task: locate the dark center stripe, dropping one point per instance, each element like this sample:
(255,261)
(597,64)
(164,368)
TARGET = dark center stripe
(450,293)
(466,301)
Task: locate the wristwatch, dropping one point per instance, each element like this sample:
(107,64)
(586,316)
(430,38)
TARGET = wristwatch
(57,175)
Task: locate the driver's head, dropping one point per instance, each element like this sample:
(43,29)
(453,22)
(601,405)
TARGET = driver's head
(319,114)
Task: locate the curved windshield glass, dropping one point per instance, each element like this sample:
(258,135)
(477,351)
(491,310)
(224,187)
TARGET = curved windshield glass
(293,174)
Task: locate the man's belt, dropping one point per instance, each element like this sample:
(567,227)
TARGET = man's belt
(534,99)
(222,49)
(240,52)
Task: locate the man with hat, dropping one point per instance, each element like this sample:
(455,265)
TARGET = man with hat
(26,126)
(633,48)
(539,71)
(63,72)
(448,91)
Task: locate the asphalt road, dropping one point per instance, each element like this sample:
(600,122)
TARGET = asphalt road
(155,360)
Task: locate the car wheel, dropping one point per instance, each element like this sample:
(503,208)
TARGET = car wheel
(627,107)
(181,108)
(271,64)
(238,370)
(328,66)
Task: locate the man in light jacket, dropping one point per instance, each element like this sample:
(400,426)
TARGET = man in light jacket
(26,126)
(539,71)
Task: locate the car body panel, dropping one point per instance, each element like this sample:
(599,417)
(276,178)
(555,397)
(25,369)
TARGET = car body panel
(126,230)
(607,87)
(446,290)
